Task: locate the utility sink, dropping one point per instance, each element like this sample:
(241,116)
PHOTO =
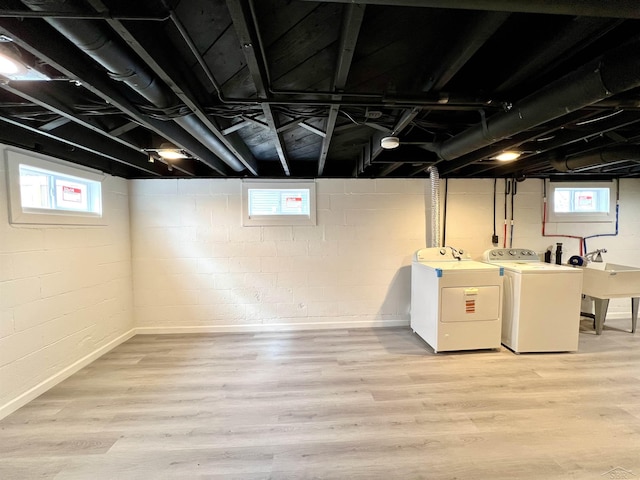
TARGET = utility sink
(612,281)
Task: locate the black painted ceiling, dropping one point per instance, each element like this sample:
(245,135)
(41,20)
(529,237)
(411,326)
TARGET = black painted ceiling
(293,88)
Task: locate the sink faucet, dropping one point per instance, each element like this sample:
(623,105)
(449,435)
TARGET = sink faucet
(595,256)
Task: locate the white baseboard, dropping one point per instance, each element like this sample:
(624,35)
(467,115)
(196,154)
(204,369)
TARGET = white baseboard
(271,327)
(53,380)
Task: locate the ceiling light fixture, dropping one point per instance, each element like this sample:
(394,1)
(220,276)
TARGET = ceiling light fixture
(8,66)
(172,154)
(167,151)
(389,143)
(508,156)
(14,69)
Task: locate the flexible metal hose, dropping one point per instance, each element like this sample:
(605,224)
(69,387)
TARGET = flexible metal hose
(435,206)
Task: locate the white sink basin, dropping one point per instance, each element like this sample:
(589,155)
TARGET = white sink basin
(614,281)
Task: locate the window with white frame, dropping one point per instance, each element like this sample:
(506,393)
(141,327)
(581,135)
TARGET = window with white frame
(577,202)
(50,191)
(278,203)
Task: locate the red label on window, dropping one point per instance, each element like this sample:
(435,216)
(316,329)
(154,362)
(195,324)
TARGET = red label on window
(294,202)
(71,194)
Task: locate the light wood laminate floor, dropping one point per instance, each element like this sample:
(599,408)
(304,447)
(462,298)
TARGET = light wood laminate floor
(335,404)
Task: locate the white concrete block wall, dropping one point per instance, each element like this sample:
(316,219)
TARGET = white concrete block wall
(197,269)
(469,224)
(65,294)
(185,263)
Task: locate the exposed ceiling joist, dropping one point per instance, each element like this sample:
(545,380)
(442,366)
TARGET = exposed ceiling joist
(589,8)
(94,145)
(42,95)
(276,88)
(166,72)
(351,23)
(33,38)
(249,38)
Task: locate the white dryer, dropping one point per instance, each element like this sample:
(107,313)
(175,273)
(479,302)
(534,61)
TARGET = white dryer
(455,302)
(541,307)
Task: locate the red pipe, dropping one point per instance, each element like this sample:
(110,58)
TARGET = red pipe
(544,221)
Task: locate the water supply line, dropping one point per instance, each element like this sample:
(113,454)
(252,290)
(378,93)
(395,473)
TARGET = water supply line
(544,219)
(444,212)
(507,188)
(615,234)
(435,206)
(494,237)
(514,190)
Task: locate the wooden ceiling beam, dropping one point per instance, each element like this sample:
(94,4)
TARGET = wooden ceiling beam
(249,38)
(351,23)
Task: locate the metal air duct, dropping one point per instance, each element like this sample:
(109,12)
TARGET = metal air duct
(89,37)
(615,72)
(602,157)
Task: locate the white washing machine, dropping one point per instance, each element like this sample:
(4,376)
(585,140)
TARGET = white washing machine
(455,302)
(541,306)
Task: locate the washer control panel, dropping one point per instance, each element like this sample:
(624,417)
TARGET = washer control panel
(445,254)
(511,255)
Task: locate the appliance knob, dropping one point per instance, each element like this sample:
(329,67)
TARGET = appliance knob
(443,251)
(512,252)
(500,252)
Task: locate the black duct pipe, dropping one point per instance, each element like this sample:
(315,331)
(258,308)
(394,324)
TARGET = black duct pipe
(615,72)
(125,67)
(602,157)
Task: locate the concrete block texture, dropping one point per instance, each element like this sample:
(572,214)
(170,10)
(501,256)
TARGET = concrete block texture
(366,232)
(65,292)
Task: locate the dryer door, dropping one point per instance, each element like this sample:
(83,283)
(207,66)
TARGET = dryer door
(470,304)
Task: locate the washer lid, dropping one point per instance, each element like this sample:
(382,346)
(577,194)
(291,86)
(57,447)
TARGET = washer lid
(460,265)
(537,267)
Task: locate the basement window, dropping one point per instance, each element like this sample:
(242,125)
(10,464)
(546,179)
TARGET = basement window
(577,202)
(52,192)
(267,203)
